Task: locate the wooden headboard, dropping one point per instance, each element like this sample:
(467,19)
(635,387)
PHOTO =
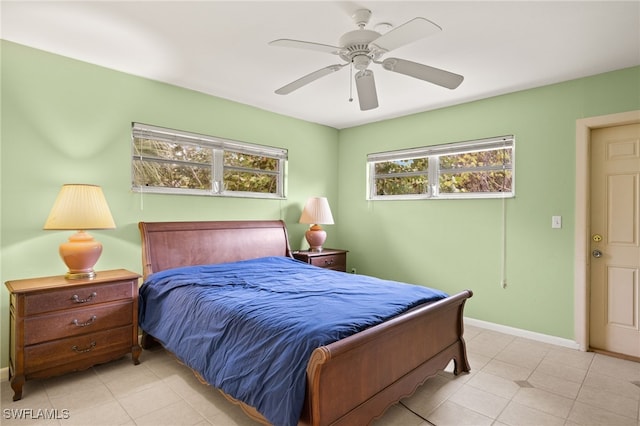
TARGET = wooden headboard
(168,245)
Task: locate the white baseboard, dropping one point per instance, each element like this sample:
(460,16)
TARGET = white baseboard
(554,340)
(4,374)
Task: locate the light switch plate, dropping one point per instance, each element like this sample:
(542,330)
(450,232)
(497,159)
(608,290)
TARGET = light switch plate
(556,222)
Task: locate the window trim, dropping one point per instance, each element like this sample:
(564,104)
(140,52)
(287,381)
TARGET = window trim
(219,146)
(433,153)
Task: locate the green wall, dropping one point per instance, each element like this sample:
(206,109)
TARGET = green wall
(65,121)
(457,244)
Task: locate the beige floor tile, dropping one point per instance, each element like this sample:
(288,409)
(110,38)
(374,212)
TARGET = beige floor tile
(107,414)
(524,353)
(211,404)
(432,394)
(148,400)
(583,414)
(114,370)
(613,385)
(452,414)
(554,384)
(480,401)
(507,371)
(544,401)
(488,343)
(562,371)
(72,382)
(397,415)
(494,384)
(85,398)
(135,379)
(477,361)
(570,357)
(601,398)
(520,415)
(177,414)
(470,331)
(615,367)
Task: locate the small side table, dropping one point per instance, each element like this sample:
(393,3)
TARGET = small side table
(335,259)
(59,325)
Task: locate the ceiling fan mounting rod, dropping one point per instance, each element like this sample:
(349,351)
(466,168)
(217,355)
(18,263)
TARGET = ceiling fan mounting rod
(361,17)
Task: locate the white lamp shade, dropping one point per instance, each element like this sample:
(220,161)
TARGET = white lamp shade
(80,207)
(317,211)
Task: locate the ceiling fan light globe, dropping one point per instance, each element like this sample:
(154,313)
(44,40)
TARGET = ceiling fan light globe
(361,62)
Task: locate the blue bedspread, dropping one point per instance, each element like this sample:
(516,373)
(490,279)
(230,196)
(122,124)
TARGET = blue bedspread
(249,327)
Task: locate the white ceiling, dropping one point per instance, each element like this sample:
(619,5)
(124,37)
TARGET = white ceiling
(220,48)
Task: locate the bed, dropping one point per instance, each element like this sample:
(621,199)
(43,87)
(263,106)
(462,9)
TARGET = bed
(351,380)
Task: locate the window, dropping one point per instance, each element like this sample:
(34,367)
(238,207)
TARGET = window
(177,162)
(474,169)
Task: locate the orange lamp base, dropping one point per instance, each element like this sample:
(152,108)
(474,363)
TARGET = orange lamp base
(316,237)
(80,254)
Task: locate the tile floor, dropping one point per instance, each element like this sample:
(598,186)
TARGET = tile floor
(514,381)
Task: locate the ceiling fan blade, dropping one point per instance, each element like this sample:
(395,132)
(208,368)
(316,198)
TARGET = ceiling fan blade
(406,33)
(303,81)
(366,86)
(299,44)
(423,72)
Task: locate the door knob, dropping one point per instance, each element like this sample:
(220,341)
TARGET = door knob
(596,253)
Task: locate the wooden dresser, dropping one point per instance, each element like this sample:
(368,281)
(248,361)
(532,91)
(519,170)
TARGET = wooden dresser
(327,258)
(59,325)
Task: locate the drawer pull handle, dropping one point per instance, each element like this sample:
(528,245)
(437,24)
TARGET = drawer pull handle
(76,299)
(328,262)
(84,324)
(88,349)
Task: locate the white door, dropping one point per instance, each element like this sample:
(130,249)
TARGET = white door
(615,240)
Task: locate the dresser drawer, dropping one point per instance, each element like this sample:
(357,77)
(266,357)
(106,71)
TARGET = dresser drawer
(76,297)
(333,261)
(75,349)
(57,325)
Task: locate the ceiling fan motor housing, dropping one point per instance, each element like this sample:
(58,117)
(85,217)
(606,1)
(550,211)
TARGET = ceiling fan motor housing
(355,47)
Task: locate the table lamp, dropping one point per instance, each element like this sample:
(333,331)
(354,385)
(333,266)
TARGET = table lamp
(80,207)
(316,212)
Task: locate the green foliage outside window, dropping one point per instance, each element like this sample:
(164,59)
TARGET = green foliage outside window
(482,168)
(464,172)
(171,165)
(168,166)
(402,177)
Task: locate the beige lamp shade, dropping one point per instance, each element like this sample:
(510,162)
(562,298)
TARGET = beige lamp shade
(80,207)
(316,212)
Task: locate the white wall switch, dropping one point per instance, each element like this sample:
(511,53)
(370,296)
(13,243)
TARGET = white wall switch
(556,222)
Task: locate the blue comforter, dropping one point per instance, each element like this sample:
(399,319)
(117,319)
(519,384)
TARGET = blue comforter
(249,327)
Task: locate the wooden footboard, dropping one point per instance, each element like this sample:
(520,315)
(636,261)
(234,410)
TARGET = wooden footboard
(354,380)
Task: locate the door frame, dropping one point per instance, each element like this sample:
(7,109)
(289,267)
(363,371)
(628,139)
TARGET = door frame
(582,282)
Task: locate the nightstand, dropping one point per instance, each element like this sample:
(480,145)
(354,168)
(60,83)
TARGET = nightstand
(59,325)
(327,258)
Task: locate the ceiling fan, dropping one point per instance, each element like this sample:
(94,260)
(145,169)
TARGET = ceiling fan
(361,47)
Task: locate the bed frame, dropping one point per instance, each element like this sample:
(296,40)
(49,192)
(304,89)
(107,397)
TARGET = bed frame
(351,381)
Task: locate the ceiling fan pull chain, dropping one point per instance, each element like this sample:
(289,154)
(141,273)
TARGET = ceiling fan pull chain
(351,82)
